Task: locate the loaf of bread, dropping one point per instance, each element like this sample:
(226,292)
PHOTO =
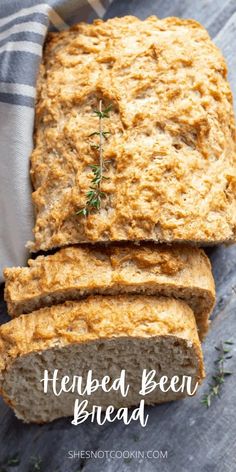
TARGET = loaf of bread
(170,150)
(74,272)
(104,334)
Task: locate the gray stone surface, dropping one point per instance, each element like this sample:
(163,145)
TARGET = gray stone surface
(197,439)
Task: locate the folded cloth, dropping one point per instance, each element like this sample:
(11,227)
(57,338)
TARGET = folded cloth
(23,27)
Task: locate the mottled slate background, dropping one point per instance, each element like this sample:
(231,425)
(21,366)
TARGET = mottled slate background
(197,439)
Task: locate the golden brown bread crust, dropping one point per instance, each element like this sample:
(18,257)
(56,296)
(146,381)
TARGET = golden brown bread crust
(172,142)
(97,318)
(180,272)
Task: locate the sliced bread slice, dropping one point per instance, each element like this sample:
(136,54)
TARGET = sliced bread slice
(74,272)
(105,334)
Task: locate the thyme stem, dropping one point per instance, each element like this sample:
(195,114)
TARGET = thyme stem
(100,143)
(95,193)
(218,378)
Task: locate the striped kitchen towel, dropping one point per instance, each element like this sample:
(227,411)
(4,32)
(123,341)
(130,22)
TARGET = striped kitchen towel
(23,27)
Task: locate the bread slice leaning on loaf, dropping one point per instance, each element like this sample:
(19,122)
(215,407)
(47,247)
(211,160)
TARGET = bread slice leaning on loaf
(170,151)
(107,334)
(74,272)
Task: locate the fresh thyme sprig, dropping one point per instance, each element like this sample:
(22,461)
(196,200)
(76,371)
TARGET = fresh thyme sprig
(95,193)
(219,378)
(36,464)
(10,462)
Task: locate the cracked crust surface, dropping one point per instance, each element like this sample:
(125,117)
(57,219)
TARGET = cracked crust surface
(171,148)
(73,272)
